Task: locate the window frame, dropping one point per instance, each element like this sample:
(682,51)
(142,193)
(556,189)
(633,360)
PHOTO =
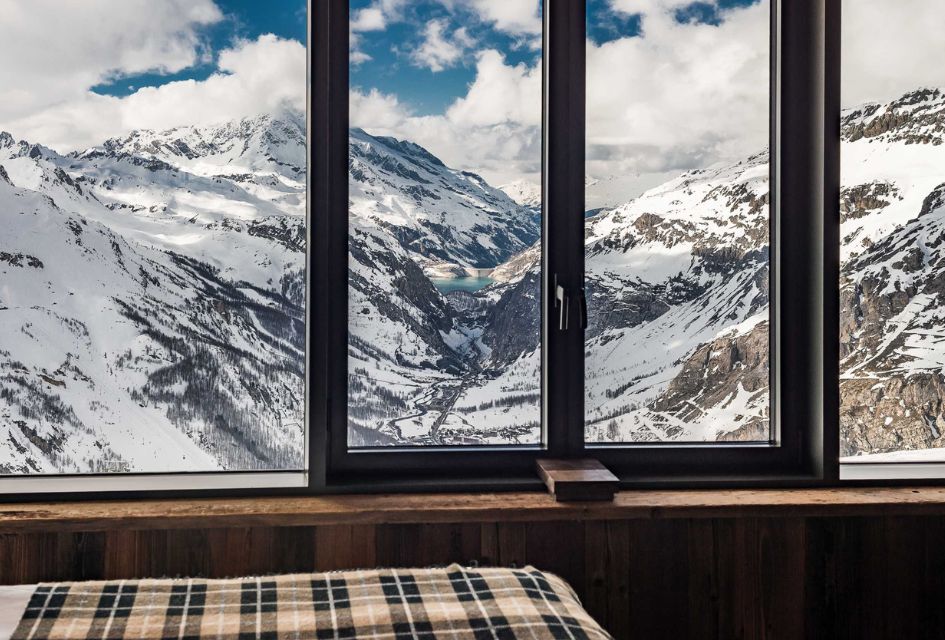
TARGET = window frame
(805,188)
(801,342)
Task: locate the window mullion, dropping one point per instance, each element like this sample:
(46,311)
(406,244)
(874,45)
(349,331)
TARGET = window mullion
(563,254)
(808,257)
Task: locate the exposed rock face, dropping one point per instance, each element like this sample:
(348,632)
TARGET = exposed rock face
(692,255)
(715,375)
(893,276)
(899,413)
(513,323)
(861,200)
(915,118)
(669,276)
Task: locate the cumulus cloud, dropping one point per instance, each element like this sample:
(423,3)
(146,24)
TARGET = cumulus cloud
(676,97)
(53,51)
(377,16)
(500,94)
(681,95)
(369,19)
(512,16)
(439,49)
(654,8)
(495,129)
(252,77)
(890,48)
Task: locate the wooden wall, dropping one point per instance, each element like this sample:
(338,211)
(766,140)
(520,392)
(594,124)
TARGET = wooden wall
(727,578)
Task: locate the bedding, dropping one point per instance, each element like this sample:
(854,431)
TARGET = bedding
(451,602)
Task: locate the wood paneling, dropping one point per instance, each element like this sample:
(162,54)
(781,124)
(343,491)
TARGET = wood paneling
(723,578)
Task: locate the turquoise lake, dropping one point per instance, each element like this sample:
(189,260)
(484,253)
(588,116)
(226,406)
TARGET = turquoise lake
(445,285)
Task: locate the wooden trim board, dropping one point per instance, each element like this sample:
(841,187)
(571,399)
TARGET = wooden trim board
(456,508)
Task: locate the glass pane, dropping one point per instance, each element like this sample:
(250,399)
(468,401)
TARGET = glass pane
(677,221)
(893,227)
(153,252)
(444,174)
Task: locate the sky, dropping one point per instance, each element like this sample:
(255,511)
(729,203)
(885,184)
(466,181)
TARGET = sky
(73,74)
(672,84)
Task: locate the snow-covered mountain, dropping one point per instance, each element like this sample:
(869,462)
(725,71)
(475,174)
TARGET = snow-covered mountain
(677,285)
(677,278)
(152,300)
(893,276)
(427,367)
(524,192)
(152,294)
(440,215)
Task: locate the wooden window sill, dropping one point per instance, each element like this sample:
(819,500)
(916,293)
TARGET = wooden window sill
(454,508)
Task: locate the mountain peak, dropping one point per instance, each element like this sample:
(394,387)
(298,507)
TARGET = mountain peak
(6,140)
(916,117)
(524,192)
(263,143)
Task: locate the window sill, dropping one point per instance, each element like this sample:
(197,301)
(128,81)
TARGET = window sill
(470,507)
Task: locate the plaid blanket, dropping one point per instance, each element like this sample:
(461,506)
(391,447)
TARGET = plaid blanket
(452,602)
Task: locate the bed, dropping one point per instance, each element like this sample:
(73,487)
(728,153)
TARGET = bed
(449,602)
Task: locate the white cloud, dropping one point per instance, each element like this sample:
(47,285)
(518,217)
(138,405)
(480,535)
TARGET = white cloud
(512,16)
(53,51)
(357,57)
(679,96)
(500,94)
(493,130)
(369,19)
(440,50)
(376,111)
(653,8)
(253,77)
(375,17)
(891,47)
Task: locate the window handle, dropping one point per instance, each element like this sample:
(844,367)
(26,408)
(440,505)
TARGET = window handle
(562,302)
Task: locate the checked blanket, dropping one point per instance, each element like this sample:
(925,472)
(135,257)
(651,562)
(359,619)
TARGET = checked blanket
(452,602)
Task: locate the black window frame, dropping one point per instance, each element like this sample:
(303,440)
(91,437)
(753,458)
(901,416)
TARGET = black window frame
(804,278)
(805,267)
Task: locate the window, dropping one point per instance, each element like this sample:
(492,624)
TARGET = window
(444,298)
(892,202)
(677,223)
(638,297)
(539,228)
(153,189)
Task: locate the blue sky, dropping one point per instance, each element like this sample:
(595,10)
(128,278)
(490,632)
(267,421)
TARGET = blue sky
(242,20)
(392,70)
(462,78)
(83,72)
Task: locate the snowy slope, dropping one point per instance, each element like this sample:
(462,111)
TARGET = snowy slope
(422,365)
(152,295)
(678,286)
(145,307)
(681,267)
(440,215)
(524,192)
(893,276)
